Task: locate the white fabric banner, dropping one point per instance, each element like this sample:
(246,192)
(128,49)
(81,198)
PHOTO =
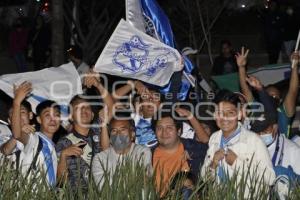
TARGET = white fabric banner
(59,84)
(131,53)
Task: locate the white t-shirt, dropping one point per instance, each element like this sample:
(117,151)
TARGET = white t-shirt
(29,152)
(107,161)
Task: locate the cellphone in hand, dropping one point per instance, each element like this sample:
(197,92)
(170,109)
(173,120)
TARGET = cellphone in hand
(82,146)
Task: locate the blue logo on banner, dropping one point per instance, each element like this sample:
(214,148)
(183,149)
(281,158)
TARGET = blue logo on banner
(136,52)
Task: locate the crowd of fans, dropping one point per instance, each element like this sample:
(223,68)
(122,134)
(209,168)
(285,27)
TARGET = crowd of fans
(166,139)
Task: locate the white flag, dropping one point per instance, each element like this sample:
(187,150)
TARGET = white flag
(134,14)
(59,84)
(133,54)
(272,74)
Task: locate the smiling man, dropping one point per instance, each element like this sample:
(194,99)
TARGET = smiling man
(175,155)
(235,150)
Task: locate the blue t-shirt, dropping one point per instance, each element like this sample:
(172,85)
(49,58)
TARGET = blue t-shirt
(144,133)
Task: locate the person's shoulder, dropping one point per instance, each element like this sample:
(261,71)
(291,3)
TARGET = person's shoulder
(103,154)
(249,134)
(63,143)
(141,148)
(294,147)
(215,135)
(252,139)
(67,137)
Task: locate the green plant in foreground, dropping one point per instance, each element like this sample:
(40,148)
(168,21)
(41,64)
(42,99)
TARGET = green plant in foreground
(129,182)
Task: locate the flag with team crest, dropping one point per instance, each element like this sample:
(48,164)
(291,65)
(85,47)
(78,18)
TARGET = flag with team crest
(147,16)
(131,53)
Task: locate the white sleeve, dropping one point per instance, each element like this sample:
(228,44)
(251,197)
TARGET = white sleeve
(99,161)
(32,143)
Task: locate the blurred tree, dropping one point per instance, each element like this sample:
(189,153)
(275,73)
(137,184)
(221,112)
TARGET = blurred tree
(57,33)
(90,24)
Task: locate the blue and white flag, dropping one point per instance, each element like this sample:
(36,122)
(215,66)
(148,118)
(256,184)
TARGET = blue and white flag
(59,84)
(133,54)
(147,16)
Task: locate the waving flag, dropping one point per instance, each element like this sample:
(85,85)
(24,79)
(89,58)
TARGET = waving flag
(133,54)
(59,84)
(147,16)
(274,74)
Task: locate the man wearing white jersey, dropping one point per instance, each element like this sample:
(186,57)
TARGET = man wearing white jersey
(39,150)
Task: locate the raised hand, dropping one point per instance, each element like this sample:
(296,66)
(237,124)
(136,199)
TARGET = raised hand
(255,83)
(28,129)
(241,57)
(105,116)
(184,113)
(22,91)
(91,79)
(295,58)
(140,87)
(73,150)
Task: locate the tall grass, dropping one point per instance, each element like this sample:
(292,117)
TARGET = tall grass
(129,182)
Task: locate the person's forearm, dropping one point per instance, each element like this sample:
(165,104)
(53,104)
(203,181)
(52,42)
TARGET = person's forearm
(107,98)
(16,123)
(291,97)
(243,84)
(104,138)
(201,135)
(62,171)
(119,93)
(8,147)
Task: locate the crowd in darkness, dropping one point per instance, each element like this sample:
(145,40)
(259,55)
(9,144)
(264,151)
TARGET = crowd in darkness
(161,134)
(164,138)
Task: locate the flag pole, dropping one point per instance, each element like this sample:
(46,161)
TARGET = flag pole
(296,48)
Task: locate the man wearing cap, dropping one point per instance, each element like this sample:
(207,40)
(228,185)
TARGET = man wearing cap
(281,149)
